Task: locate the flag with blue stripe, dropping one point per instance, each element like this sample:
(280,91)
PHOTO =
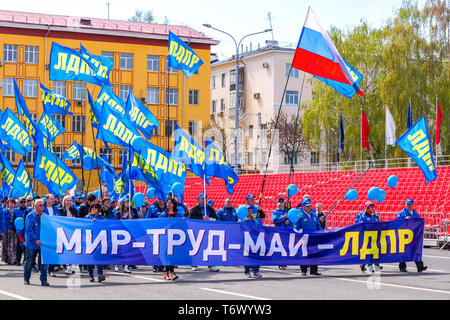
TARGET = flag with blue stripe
(139,115)
(54,102)
(51,126)
(14,133)
(182,57)
(21,186)
(8,173)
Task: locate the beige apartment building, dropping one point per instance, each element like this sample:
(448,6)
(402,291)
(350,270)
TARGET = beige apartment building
(262,78)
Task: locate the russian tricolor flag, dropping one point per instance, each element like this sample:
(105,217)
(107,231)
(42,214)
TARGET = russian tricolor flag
(317,55)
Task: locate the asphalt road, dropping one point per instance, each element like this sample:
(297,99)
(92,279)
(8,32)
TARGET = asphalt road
(336,282)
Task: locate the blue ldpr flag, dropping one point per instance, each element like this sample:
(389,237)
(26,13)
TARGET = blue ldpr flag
(409,119)
(343,88)
(182,57)
(51,126)
(108,97)
(54,102)
(53,172)
(341,130)
(216,166)
(100,65)
(14,133)
(21,185)
(140,116)
(8,173)
(416,143)
(107,177)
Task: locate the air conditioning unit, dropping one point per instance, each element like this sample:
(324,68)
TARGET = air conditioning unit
(1,63)
(47,66)
(265,65)
(142,100)
(79,103)
(256,95)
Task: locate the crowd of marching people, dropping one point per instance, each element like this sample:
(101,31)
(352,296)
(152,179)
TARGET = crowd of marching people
(25,242)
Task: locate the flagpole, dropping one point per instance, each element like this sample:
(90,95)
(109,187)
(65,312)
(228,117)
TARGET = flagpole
(96,156)
(435,135)
(81,156)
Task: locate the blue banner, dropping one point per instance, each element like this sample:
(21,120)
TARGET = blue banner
(91,160)
(21,186)
(178,241)
(139,115)
(416,143)
(107,177)
(344,89)
(51,126)
(108,97)
(101,66)
(69,65)
(53,102)
(216,166)
(182,57)
(8,173)
(14,133)
(53,172)
(189,152)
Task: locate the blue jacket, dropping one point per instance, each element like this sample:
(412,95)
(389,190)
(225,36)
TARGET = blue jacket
(96,216)
(32,231)
(55,210)
(308,223)
(362,217)
(227,214)
(154,211)
(278,218)
(7,220)
(405,213)
(256,215)
(21,213)
(178,215)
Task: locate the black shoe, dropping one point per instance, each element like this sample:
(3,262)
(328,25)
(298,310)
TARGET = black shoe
(303,273)
(403,270)
(91,280)
(101,279)
(422,269)
(363,268)
(26,282)
(316,274)
(45,284)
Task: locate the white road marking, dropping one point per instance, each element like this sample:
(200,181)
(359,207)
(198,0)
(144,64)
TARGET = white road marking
(438,257)
(12,295)
(234,294)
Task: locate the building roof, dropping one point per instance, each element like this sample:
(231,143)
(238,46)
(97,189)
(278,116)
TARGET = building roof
(100,26)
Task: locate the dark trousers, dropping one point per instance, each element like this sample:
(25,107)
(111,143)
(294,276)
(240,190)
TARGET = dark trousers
(19,250)
(169,269)
(312,269)
(31,255)
(419,265)
(91,271)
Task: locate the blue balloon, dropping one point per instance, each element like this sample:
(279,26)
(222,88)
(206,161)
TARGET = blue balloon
(242,212)
(292,190)
(293,215)
(381,195)
(373,192)
(177,189)
(351,195)
(392,181)
(19,224)
(151,193)
(138,144)
(139,199)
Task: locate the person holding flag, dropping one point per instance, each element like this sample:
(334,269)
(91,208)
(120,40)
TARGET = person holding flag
(95,214)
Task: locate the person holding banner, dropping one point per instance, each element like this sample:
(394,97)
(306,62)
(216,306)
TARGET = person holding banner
(171,212)
(308,221)
(156,209)
(67,209)
(228,212)
(33,243)
(124,212)
(257,212)
(95,215)
(50,209)
(85,208)
(20,212)
(10,240)
(251,220)
(280,219)
(409,213)
(322,217)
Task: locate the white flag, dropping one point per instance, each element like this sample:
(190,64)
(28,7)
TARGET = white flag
(390,129)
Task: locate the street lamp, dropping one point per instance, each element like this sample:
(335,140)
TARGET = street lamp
(237,86)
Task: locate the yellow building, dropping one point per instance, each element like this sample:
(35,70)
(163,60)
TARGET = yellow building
(139,52)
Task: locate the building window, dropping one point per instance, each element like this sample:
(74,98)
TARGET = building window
(170,69)
(292,97)
(315,157)
(124,91)
(34,117)
(152,95)
(108,55)
(155,132)
(61,118)
(31,54)
(233,100)
(294,72)
(76,162)
(232,77)
(58,151)
(59,87)
(79,91)
(152,63)
(264,130)
(29,159)
(193,97)
(170,127)
(126,61)
(172,97)
(222,105)
(121,155)
(8,87)
(11,156)
(223,80)
(213,84)
(193,128)
(107,152)
(30,88)
(288,161)
(10,53)
(250,131)
(78,124)
(213,106)
(250,158)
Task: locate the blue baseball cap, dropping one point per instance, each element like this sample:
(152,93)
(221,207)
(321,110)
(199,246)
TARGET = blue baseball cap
(211,202)
(306,202)
(249,197)
(409,201)
(202,195)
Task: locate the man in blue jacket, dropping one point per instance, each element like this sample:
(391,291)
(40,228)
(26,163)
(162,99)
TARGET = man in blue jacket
(409,213)
(20,212)
(308,221)
(280,220)
(227,213)
(33,243)
(156,209)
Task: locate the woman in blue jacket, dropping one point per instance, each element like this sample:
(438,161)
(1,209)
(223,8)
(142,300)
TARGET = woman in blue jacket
(95,214)
(368,215)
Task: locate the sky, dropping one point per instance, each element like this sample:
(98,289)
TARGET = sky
(236,17)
